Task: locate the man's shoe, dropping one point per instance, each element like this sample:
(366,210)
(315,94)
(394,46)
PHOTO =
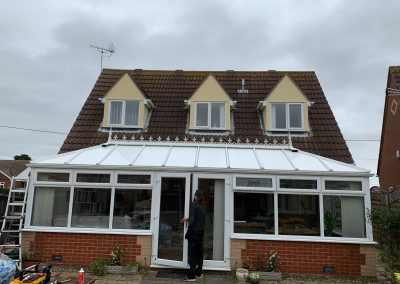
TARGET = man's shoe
(187,279)
(199,277)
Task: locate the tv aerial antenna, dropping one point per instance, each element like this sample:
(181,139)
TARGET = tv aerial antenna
(104,52)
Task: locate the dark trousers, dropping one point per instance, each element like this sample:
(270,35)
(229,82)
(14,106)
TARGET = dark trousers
(195,254)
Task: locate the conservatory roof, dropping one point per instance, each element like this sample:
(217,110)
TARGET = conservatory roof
(200,157)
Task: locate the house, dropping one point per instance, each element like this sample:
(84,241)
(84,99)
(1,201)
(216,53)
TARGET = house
(9,169)
(264,147)
(389,154)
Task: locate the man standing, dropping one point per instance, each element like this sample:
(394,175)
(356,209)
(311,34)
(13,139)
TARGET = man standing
(194,235)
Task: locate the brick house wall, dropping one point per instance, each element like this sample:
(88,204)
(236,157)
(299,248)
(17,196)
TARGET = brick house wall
(389,164)
(5,179)
(84,249)
(308,257)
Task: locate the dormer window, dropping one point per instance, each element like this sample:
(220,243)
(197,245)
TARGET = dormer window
(210,115)
(124,113)
(287,116)
(285,108)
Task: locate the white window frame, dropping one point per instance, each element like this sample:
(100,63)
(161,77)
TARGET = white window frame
(272,117)
(123,114)
(320,192)
(53,182)
(2,184)
(208,126)
(72,184)
(245,188)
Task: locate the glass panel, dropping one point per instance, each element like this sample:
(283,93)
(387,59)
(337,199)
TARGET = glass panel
(344,216)
(132,113)
(132,209)
(50,206)
(254,213)
(254,182)
(91,207)
(295,116)
(2,184)
(115,112)
(217,115)
(134,179)
(214,202)
(298,215)
(343,185)
(201,114)
(298,183)
(279,116)
(56,177)
(93,178)
(172,209)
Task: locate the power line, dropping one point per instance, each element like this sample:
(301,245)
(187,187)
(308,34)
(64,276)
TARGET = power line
(363,140)
(34,130)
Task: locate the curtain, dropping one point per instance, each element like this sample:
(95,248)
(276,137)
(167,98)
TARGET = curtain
(115,112)
(353,220)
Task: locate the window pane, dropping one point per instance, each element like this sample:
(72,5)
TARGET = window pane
(132,208)
(298,183)
(217,115)
(254,182)
(253,213)
(298,215)
(295,116)
(91,207)
(56,177)
(343,185)
(93,178)
(344,216)
(132,113)
(50,206)
(279,116)
(201,114)
(134,179)
(115,112)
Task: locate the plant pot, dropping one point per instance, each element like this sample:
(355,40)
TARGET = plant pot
(241,274)
(116,269)
(270,276)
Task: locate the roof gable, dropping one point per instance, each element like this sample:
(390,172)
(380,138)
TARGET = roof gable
(286,91)
(210,90)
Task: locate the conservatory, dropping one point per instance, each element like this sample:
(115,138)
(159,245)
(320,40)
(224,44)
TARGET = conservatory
(269,194)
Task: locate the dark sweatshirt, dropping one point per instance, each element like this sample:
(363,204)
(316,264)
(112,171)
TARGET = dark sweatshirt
(196,217)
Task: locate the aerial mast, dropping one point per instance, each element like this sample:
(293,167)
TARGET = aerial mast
(104,52)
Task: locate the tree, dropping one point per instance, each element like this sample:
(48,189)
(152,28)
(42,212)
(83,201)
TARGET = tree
(24,157)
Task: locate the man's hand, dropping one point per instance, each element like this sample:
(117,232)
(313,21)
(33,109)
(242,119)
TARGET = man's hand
(184,220)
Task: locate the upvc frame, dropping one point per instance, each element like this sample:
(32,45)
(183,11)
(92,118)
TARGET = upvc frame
(73,184)
(53,171)
(287,109)
(320,192)
(209,116)
(122,124)
(2,184)
(253,188)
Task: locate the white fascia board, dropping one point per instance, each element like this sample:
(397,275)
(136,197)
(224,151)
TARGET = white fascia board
(209,170)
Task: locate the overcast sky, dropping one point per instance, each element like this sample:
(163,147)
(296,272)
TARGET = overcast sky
(47,68)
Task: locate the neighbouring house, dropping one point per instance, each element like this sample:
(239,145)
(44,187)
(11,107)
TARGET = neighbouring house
(8,170)
(389,154)
(264,147)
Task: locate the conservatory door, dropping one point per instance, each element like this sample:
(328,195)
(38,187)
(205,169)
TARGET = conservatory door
(215,189)
(169,245)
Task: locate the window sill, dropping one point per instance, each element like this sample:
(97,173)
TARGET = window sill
(302,239)
(89,231)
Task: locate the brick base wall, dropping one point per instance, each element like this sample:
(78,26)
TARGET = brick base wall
(308,257)
(83,249)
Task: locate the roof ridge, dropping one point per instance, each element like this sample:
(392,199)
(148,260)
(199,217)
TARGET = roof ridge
(208,71)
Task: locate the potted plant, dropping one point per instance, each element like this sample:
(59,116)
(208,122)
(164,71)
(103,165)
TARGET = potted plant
(242,272)
(116,267)
(253,278)
(271,267)
(330,223)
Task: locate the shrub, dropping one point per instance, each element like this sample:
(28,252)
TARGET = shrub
(98,267)
(272,261)
(387,231)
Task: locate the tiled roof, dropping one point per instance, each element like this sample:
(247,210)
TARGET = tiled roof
(169,89)
(13,167)
(395,71)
